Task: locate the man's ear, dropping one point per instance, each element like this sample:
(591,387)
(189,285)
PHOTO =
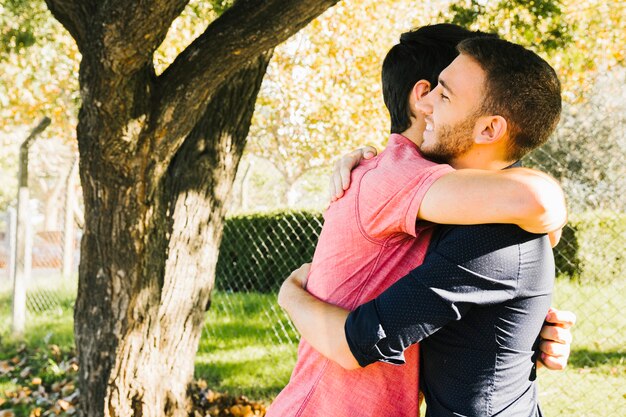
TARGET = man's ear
(420,89)
(492,129)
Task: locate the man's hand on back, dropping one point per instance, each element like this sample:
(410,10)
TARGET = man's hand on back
(556,339)
(555,237)
(340,178)
(319,323)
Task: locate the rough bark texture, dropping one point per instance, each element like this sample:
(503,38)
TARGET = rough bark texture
(160,289)
(158,157)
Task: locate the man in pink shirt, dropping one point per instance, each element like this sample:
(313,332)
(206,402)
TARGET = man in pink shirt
(372,236)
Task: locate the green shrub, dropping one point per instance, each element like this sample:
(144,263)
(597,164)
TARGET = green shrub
(592,247)
(259,251)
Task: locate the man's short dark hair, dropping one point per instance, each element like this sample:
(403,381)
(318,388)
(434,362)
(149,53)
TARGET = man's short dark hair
(421,55)
(519,86)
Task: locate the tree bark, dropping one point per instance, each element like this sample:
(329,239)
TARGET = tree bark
(155,275)
(158,157)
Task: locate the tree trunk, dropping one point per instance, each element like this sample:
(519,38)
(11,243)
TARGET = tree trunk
(149,261)
(158,156)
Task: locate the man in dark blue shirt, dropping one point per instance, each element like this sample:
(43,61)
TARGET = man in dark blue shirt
(481,297)
(478,301)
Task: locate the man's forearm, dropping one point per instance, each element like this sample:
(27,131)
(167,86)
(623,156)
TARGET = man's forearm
(320,324)
(548,211)
(531,199)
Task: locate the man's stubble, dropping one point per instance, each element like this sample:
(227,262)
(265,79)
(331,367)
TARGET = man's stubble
(452,141)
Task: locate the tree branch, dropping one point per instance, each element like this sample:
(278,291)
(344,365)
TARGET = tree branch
(243,32)
(211,152)
(133,30)
(75,16)
(124,34)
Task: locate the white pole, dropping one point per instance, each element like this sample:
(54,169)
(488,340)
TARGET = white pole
(20,272)
(12,224)
(23,235)
(68,226)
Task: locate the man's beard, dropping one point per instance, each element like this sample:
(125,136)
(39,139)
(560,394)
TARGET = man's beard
(452,141)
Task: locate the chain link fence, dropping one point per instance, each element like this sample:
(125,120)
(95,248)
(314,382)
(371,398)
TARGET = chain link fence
(42,264)
(47,288)
(259,251)
(46,268)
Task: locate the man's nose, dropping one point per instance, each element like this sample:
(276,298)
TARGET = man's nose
(425,104)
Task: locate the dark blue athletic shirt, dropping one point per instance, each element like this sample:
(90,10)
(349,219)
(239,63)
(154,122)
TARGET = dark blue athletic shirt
(476,305)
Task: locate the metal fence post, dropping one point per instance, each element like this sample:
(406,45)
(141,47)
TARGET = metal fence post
(68,224)
(23,235)
(11,226)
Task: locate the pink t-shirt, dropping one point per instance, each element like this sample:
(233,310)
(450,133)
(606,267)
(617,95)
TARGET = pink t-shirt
(369,241)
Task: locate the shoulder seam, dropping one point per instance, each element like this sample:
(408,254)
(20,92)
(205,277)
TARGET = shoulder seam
(357,212)
(433,170)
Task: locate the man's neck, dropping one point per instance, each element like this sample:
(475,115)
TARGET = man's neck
(479,159)
(414,134)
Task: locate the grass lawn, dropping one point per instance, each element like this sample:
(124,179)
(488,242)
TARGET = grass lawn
(594,384)
(248,347)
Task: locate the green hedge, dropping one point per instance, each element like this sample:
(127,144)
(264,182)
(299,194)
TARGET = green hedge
(592,247)
(258,251)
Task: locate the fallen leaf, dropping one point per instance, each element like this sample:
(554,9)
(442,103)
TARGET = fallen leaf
(64,405)
(210,396)
(247,411)
(67,389)
(25,372)
(23,395)
(36,381)
(7,413)
(73,398)
(202,384)
(5,367)
(55,350)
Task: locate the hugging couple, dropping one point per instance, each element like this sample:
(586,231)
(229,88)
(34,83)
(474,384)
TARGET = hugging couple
(443,240)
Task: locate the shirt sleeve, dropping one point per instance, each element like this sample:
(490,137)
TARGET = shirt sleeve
(465,266)
(390,196)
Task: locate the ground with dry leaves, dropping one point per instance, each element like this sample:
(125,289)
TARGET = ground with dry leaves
(41,382)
